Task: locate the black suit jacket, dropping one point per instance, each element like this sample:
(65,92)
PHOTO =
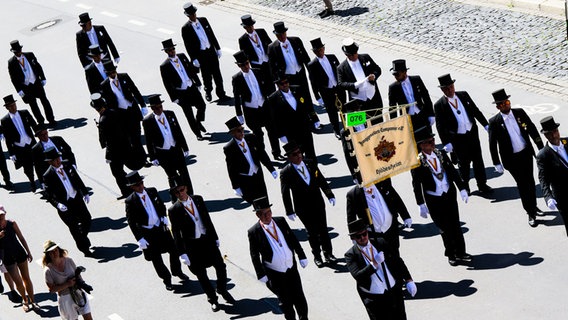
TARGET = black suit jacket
(113,136)
(318,76)
(346,78)
(423,102)
(260,249)
(307,198)
(363,272)
(39,160)
(171,78)
(191,40)
(246,45)
(12,135)
(154,137)
(422,179)
(17,74)
(242,92)
(237,164)
(183,226)
(137,216)
(499,139)
(129,90)
(105,43)
(553,174)
(357,202)
(276,57)
(446,122)
(55,190)
(94,78)
(287,120)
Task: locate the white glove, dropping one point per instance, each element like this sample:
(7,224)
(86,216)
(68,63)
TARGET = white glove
(380,257)
(1,136)
(283,139)
(219,53)
(486,127)
(408,222)
(241,119)
(304,263)
(143,244)
(317,125)
(144,111)
(43,186)
(13,158)
(263,279)
(551,204)
(108,161)
(21,93)
(117,60)
(449,147)
(424,211)
(61,207)
(87,198)
(186,154)
(185,259)
(74,167)
(43,82)
(218,243)
(332,201)
(411,288)
(176,101)
(464,196)
(274,174)
(155,162)
(199,88)
(239,192)
(499,168)
(432,120)
(166,221)
(196,63)
(292,217)
(320,102)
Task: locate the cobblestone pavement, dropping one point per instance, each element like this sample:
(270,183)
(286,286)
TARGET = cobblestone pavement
(528,49)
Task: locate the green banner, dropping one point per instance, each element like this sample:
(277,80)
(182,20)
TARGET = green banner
(355,118)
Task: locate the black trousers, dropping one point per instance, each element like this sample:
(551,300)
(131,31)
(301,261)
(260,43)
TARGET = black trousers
(209,64)
(35,91)
(445,214)
(191,97)
(3,166)
(288,288)
(24,158)
(78,219)
(564,214)
(203,253)
(253,187)
(161,241)
(117,170)
(329,96)
(386,306)
(256,119)
(130,118)
(315,222)
(173,163)
(468,149)
(522,171)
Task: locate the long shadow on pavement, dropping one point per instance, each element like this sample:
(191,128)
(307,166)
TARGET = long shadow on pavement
(70,123)
(244,308)
(441,289)
(223,204)
(491,261)
(106,223)
(355,11)
(106,254)
(425,231)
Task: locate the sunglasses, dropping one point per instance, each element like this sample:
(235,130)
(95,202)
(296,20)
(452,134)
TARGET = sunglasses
(361,235)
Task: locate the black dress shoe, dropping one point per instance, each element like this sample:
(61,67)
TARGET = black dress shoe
(214,306)
(199,138)
(124,196)
(224,98)
(202,128)
(227,296)
(466,257)
(88,253)
(484,188)
(318,262)
(279,157)
(169,287)
(208,96)
(337,135)
(52,124)
(33,186)
(326,13)
(181,275)
(539,212)
(532,221)
(329,258)
(147,164)
(452,261)
(9,185)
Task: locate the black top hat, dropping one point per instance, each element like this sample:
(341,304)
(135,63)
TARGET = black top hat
(349,46)
(500,96)
(247,20)
(422,134)
(316,44)
(353,105)
(154,99)
(84,18)
(398,66)
(51,154)
(357,226)
(233,123)
(240,57)
(109,66)
(261,203)
(133,178)
(176,182)
(290,147)
(189,9)
(548,124)
(40,127)
(279,27)
(94,50)
(280,77)
(168,44)
(15,46)
(445,80)
(8,100)
(97,101)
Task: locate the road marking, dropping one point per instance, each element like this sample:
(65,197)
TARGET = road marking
(166,31)
(229,50)
(83,6)
(136,22)
(109,14)
(115,316)
(541,108)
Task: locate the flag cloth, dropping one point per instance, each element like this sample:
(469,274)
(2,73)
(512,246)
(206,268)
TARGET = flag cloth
(385,150)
